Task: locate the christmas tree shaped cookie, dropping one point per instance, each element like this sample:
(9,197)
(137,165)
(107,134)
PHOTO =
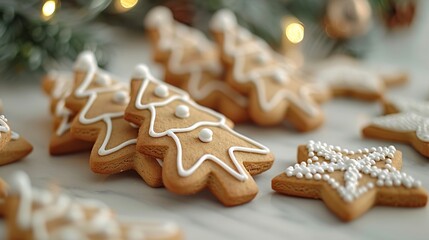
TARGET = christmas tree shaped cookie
(275,90)
(407,121)
(102,101)
(58,85)
(192,63)
(33,213)
(13,147)
(196,144)
(350,182)
(344,76)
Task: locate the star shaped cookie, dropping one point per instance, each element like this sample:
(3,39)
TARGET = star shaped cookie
(344,76)
(407,121)
(192,63)
(197,145)
(275,90)
(350,182)
(33,213)
(102,101)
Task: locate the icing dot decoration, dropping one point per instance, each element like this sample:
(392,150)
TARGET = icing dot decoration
(121,97)
(140,71)
(280,76)
(205,135)
(102,79)
(182,111)
(161,91)
(354,167)
(261,58)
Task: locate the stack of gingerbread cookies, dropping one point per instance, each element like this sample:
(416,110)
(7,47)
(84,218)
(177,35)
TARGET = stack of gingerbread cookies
(240,76)
(155,129)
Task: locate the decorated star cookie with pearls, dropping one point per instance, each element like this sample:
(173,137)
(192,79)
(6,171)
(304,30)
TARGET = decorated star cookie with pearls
(344,76)
(274,88)
(100,121)
(191,62)
(13,147)
(407,121)
(197,145)
(33,213)
(58,86)
(350,182)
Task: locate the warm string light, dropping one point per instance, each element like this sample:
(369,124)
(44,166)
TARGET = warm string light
(128,3)
(294,32)
(125,5)
(48,8)
(293,35)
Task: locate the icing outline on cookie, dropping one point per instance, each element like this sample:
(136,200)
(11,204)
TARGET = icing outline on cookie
(255,76)
(194,68)
(86,61)
(240,174)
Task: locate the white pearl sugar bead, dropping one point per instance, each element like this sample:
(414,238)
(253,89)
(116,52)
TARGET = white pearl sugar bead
(121,97)
(161,91)
(205,135)
(182,111)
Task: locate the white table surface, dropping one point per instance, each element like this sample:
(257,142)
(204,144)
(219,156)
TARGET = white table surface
(269,215)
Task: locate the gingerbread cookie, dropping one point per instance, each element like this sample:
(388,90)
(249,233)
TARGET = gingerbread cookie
(101,121)
(275,90)
(13,147)
(407,121)
(58,85)
(33,213)
(3,194)
(192,63)
(350,182)
(344,76)
(196,144)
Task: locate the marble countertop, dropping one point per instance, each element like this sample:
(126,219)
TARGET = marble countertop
(269,215)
